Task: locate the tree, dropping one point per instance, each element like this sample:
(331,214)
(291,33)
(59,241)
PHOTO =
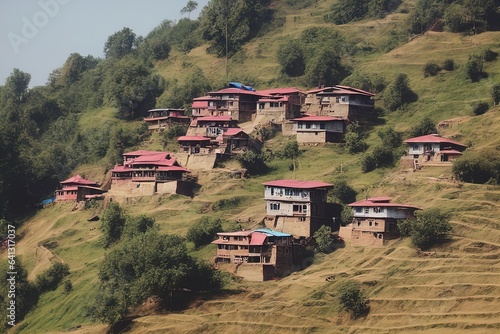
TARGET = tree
(345,11)
(204,231)
(323,239)
(425,127)
(113,221)
(495,94)
(190,6)
(120,43)
(390,137)
(398,93)
(352,299)
(474,67)
(478,167)
(431,69)
(342,192)
(52,277)
(253,162)
(353,137)
(137,224)
(292,59)
(16,86)
(454,18)
(430,227)
(325,68)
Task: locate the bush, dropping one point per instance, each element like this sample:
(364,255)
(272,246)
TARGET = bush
(68,286)
(478,167)
(431,69)
(137,224)
(346,215)
(449,65)
(342,192)
(430,227)
(398,93)
(425,127)
(489,55)
(323,239)
(479,108)
(352,299)
(113,221)
(474,67)
(50,279)
(368,163)
(495,94)
(353,137)
(204,231)
(253,162)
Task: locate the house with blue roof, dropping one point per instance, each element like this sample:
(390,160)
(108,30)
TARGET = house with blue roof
(257,255)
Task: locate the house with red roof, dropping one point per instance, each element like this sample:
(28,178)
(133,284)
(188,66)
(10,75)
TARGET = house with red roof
(149,172)
(159,119)
(319,129)
(210,126)
(297,207)
(76,188)
(280,103)
(432,150)
(339,101)
(257,255)
(375,221)
(239,104)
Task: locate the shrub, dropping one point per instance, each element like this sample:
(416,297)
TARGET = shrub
(342,192)
(368,163)
(398,93)
(346,215)
(137,224)
(113,221)
(253,162)
(352,299)
(431,69)
(323,239)
(474,67)
(204,231)
(353,137)
(449,65)
(425,127)
(390,137)
(227,203)
(495,94)
(68,286)
(479,108)
(489,55)
(430,227)
(478,167)
(50,279)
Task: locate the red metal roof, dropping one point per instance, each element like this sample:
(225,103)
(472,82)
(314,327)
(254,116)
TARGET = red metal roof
(318,119)
(232,131)
(381,202)
(279,91)
(235,91)
(167,109)
(275,99)
(199,104)
(433,138)
(215,119)
(77,179)
(143,152)
(298,184)
(257,239)
(152,157)
(119,168)
(346,90)
(205,98)
(172,169)
(193,138)
(235,234)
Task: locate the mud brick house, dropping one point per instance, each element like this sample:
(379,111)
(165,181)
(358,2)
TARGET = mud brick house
(76,188)
(297,207)
(257,255)
(159,119)
(319,129)
(340,101)
(150,172)
(280,103)
(237,103)
(195,144)
(432,150)
(210,126)
(375,221)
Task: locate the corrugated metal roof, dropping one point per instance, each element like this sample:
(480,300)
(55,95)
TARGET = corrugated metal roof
(257,239)
(298,184)
(433,138)
(273,233)
(77,179)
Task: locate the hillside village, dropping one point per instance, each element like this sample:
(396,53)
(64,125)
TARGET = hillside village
(309,189)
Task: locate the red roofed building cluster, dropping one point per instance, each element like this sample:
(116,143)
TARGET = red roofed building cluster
(76,188)
(159,119)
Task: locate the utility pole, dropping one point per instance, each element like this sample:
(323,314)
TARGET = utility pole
(227,41)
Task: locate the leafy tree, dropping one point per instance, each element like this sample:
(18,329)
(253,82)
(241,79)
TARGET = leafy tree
(238,21)
(150,264)
(50,279)
(325,68)
(495,94)
(431,69)
(171,134)
(382,156)
(430,227)
(113,221)
(204,231)
(424,16)
(398,93)
(346,215)
(345,11)
(342,192)
(190,6)
(479,108)
(354,142)
(290,150)
(474,67)
(292,59)
(137,224)
(425,127)
(352,299)
(120,43)
(253,162)
(390,137)
(454,18)
(478,167)
(374,83)
(449,64)
(323,239)
(16,86)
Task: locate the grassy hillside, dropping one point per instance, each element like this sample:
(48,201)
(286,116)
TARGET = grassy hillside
(452,287)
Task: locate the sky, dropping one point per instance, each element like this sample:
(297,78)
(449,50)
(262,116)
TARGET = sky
(37,36)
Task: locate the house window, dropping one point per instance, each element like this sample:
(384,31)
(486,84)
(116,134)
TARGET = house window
(370,223)
(358,209)
(262,105)
(367,210)
(415,147)
(322,126)
(274,206)
(376,224)
(231,103)
(302,219)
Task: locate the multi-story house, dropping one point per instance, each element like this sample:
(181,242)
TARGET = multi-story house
(319,129)
(257,255)
(340,101)
(297,207)
(76,188)
(375,221)
(159,119)
(280,103)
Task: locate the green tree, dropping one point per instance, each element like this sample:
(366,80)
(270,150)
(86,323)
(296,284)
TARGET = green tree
(346,215)
(253,162)
(325,68)
(495,94)
(51,278)
(345,11)
(120,43)
(342,192)
(431,69)
(478,167)
(425,127)
(137,224)
(292,58)
(354,141)
(454,18)
(425,14)
(190,6)
(204,231)
(16,86)
(323,239)
(474,67)
(113,221)
(352,299)
(398,93)
(430,227)
(390,137)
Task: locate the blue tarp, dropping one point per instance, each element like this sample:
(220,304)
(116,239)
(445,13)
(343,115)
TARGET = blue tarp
(48,201)
(241,86)
(272,232)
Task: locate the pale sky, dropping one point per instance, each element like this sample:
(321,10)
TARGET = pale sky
(37,36)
